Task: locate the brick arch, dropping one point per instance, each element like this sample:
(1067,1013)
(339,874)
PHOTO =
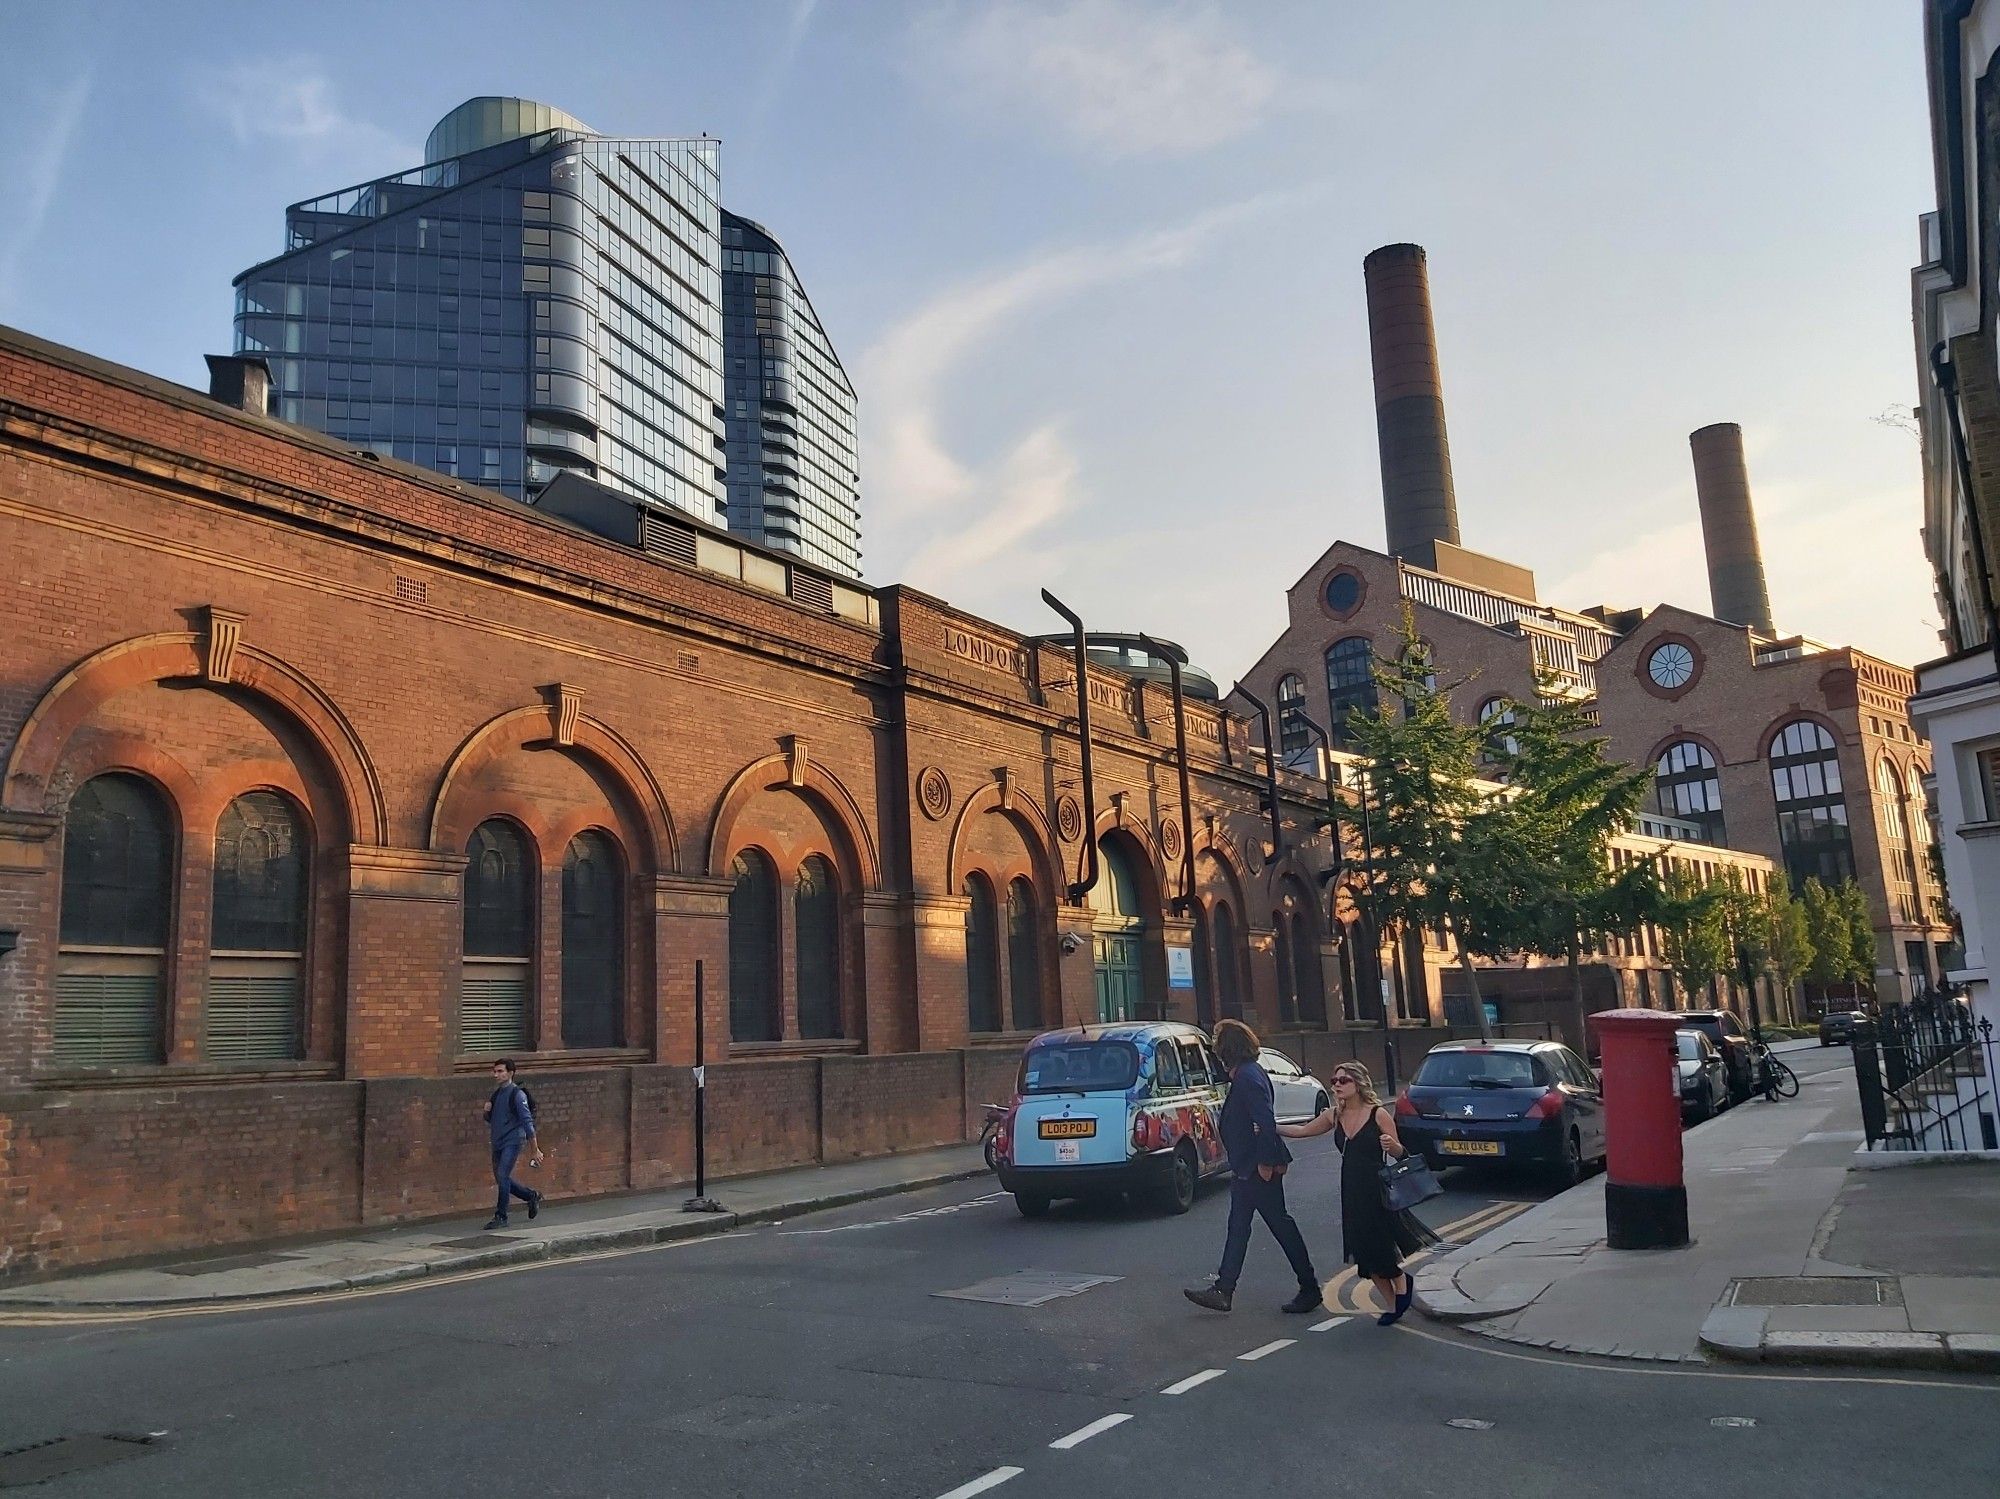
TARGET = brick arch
(1028,820)
(1221,847)
(176,656)
(1145,857)
(1792,715)
(528,728)
(1688,736)
(822,791)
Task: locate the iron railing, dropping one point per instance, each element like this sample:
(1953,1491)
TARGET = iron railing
(1925,1074)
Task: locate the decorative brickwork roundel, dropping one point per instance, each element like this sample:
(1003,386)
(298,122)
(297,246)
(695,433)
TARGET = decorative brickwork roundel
(1253,855)
(933,792)
(1170,838)
(1069,819)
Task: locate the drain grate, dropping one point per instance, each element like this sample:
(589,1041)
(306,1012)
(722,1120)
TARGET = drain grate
(62,1456)
(1817,1290)
(232,1262)
(1027,1288)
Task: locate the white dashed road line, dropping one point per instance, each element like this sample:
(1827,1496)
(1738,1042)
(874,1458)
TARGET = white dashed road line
(981,1484)
(1265,1352)
(1181,1387)
(1084,1433)
(1329,1324)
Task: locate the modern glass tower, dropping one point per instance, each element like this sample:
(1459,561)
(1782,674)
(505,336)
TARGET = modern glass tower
(537,298)
(793,474)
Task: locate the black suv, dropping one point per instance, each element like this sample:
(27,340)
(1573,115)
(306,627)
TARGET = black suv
(1739,1062)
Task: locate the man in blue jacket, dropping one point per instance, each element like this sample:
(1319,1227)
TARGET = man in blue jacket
(1257,1160)
(510,1128)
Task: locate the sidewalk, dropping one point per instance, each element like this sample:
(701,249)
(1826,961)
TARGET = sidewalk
(380,1256)
(1796,1258)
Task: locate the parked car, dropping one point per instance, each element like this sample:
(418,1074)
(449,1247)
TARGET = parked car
(1738,1058)
(1111,1109)
(1296,1093)
(1839,1027)
(1704,1081)
(1516,1103)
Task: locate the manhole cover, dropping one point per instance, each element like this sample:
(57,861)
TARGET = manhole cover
(1732,1423)
(1469,1423)
(477,1241)
(233,1262)
(65,1455)
(1818,1290)
(1028,1288)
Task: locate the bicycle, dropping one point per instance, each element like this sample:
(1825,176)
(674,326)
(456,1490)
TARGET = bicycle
(1774,1079)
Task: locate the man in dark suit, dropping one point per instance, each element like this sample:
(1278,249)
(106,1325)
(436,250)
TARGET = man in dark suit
(1257,1160)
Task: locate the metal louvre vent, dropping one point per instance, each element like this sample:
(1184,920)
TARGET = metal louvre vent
(253,1016)
(105,1019)
(676,543)
(810,588)
(493,1009)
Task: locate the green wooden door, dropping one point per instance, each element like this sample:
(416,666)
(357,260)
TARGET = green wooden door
(1120,992)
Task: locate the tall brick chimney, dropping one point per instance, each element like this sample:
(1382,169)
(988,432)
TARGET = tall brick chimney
(240,380)
(1418,503)
(1736,588)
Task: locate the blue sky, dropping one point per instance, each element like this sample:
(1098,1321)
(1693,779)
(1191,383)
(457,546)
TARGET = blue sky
(1096,266)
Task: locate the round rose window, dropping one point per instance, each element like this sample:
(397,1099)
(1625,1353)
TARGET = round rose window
(1671,665)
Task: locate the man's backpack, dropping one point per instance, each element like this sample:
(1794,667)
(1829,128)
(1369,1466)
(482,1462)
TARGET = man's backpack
(528,1099)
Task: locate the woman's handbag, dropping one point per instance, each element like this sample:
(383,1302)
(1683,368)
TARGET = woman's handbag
(1407,1182)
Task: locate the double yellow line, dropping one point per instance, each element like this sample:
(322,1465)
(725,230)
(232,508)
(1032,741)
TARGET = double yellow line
(1345,1290)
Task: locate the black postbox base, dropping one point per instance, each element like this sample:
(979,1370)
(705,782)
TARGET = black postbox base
(1646,1217)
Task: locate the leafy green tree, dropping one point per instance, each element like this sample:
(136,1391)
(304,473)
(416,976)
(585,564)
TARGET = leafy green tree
(1853,903)
(1694,923)
(1789,938)
(1828,931)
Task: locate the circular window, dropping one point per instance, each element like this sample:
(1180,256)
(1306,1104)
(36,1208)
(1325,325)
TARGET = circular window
(1343,592)
(1671,665)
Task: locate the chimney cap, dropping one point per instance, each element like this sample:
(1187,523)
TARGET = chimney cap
(1402,251)
(1717,428)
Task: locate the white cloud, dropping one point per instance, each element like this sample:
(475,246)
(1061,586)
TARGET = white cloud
(36,160)
(291,102)
(991,520)
(1119,78)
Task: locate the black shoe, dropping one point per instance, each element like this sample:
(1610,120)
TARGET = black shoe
(1213,1297)
(493,1223)
(534,1206)
(1308,1300)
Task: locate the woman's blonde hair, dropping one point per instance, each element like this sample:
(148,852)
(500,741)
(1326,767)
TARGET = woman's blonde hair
(1363,1083)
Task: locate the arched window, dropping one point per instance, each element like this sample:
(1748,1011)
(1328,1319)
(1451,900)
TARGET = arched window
(496,984)
(982,958)
(1687,785)
(1227,994)
(1350,683)
(1496,715)
(1307,981)
(1812,807)
(753,949)
(816,944)
(1024,957)
(117,893)
(1898,841)
(1293,735)
(256,964)
(593,942)
(1281,946)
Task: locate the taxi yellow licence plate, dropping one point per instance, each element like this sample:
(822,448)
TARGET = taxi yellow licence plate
(1469,1147)
(1068,1129)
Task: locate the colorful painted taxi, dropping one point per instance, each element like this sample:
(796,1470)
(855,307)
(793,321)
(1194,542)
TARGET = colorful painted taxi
(1125,1107)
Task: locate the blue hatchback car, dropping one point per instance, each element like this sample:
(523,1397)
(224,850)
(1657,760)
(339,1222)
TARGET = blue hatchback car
(1105,1109)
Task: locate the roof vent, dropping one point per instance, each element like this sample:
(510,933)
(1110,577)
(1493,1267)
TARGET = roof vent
(675,543)
(242,381)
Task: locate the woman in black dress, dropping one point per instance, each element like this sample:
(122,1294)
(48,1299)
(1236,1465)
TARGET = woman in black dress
(1374,1238)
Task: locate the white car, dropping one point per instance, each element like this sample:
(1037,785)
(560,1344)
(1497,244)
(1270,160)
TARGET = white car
(1297,1093)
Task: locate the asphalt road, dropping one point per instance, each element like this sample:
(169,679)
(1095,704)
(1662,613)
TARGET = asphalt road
(815,1357)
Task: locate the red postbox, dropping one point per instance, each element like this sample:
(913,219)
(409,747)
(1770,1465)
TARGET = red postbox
(1645,1194)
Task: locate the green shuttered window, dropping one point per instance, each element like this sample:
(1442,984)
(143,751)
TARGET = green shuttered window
(494,1007)
(118,847)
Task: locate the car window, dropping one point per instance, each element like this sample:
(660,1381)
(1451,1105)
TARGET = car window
(1579,1069)
(1481,1069)
(1278,1064)
(1194,1057)
(1080,1067)
(1688,1045)
(1730,1027)
(1168,1075)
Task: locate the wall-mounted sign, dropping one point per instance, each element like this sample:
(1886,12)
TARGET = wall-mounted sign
(1180,967)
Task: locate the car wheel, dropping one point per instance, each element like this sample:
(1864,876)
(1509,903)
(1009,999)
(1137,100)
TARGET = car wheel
(1176,1191)
(1031,1204)
(1569,1170)
(992,1154)
(1824,1042)
(1319,1105)
(1707,1110)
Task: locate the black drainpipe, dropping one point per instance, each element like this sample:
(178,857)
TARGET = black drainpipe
(1083,886)
(1270,768)
(1186,902)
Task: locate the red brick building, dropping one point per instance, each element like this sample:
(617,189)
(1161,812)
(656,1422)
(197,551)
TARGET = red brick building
(326,780)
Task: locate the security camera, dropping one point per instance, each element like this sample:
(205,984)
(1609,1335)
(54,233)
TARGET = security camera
(1070,943)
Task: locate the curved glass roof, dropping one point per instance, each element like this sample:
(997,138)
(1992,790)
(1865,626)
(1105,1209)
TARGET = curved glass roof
(489,119)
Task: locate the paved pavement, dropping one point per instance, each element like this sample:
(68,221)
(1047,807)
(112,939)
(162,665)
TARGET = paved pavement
(835,1354)
(383,1256)
(1772,1273)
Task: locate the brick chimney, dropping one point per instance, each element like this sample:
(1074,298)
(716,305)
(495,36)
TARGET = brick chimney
(1419,505)
(240,380)
(1736,587)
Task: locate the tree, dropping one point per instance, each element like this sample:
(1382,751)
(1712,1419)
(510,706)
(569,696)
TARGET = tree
(1694,924)
(1853,905)
(1831,937)
(1789,938)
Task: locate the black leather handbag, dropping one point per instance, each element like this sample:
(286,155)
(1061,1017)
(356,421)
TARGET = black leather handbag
(1407,1182)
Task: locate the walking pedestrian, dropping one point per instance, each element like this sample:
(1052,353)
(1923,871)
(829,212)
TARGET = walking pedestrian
(1374,1239)
(1258,1160)
(510,1129)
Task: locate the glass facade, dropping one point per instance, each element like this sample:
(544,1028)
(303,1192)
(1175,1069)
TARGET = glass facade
(794,465)
(538,298)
